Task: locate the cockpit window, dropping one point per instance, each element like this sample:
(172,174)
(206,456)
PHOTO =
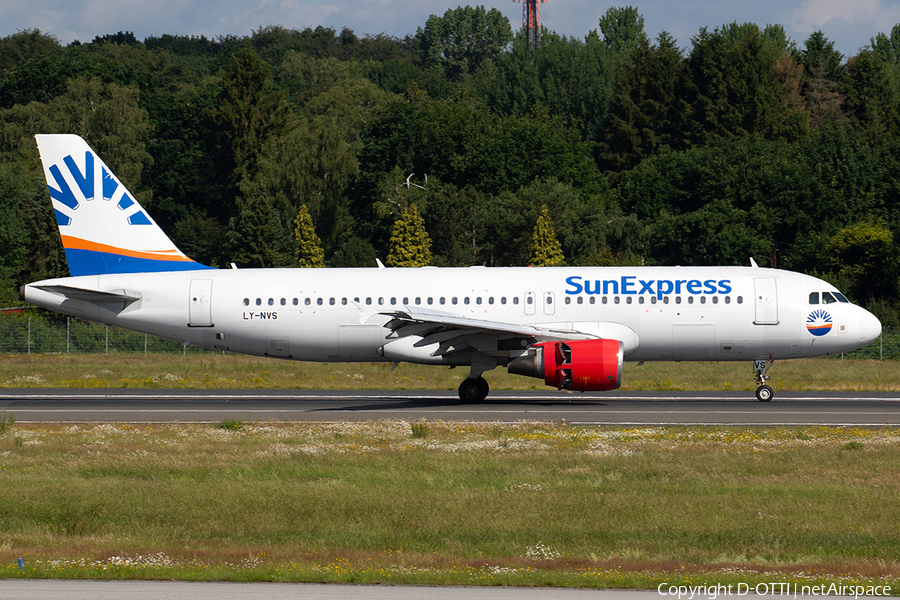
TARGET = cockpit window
(814,297)
(841,297)
(827,298)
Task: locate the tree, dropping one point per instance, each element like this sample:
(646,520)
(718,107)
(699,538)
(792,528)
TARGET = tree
(410,245)
(546,250)
(623,28)
(249,111)
(644,113)
(864,256)
(463,39)
(819,56)
(309,248)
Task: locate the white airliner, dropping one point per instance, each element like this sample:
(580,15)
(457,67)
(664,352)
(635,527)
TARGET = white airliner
(571,326)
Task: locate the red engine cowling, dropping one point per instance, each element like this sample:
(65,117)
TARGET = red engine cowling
(581,365)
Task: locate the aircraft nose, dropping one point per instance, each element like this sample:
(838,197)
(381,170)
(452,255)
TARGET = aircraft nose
(869,328)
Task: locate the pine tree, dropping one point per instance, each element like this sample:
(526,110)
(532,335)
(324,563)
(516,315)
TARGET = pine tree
(410,245)
(546,250)
(309,247)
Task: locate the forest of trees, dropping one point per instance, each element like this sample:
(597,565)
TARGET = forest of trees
(321,147)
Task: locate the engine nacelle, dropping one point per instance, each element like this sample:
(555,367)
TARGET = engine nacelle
(581,365)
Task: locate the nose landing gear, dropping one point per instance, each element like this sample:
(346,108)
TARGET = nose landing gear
(764,393)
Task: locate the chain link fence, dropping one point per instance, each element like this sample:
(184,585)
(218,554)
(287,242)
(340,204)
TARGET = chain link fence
(66,335)
(20,334)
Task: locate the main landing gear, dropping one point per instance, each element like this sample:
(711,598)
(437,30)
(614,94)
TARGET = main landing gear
(473,389)
(764,393)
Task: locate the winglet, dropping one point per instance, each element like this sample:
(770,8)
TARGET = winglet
(103,228)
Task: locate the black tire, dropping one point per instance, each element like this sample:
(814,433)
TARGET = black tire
(473,390)
(764,393)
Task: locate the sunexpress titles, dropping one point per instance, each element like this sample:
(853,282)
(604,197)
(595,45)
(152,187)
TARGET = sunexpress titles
(630,284)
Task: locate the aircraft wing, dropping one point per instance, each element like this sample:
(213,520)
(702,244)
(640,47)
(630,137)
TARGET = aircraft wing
(455,332)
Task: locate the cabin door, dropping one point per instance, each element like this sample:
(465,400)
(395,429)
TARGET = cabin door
(766,300)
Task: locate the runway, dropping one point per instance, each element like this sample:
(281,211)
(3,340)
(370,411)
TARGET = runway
(619,408)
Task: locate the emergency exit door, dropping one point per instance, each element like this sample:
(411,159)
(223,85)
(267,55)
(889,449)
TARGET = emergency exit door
(200,306)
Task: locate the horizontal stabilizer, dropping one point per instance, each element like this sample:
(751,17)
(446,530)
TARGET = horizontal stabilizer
(94,296)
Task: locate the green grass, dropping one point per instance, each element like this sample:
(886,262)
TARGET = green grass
(218,371)
(526,504)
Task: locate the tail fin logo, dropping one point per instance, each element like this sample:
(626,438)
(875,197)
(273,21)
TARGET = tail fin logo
(103,228)
(63,194)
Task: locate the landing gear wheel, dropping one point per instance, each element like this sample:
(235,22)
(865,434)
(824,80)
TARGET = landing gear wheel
(764,393)
(474,389)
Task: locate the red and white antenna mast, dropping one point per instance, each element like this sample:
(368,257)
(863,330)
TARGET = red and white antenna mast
(531,21)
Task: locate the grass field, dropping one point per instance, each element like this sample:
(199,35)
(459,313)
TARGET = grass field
(218,371)
(452,503)
(446,503)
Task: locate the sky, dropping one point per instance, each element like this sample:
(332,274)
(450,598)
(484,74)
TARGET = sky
(850,24)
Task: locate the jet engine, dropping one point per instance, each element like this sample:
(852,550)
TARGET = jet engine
(581,365)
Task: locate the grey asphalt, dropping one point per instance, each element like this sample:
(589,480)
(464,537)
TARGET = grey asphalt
(618,408)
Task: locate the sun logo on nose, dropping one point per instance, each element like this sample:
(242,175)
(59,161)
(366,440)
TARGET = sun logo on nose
(818,322)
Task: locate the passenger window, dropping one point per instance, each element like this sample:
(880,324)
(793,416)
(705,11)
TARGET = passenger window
(430,300)
(271,301)
(331,301)
(320,301)
(690,299)
(702,299)
(652,299)
(515,299)
(827,298)
(380,301)
(307,301)
(344,301)
(393,301)
(740,299)
(502,299)
(466,300)
(593,300)
(568,300)
(246,301)
(665,299)
(491,300)
(727,299)
(295,302)
(814,297)
(629,300)
(605,300)
(478,300)
(715,300)
(284,301)
(259,301)
(641,300)
(529,300)
(443,301)
(580,300)
(677,299)
(368,301)
(616,299)
(418,301)
(454,300)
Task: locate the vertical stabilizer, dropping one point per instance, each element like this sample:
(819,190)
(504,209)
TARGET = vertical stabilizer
(103,228)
